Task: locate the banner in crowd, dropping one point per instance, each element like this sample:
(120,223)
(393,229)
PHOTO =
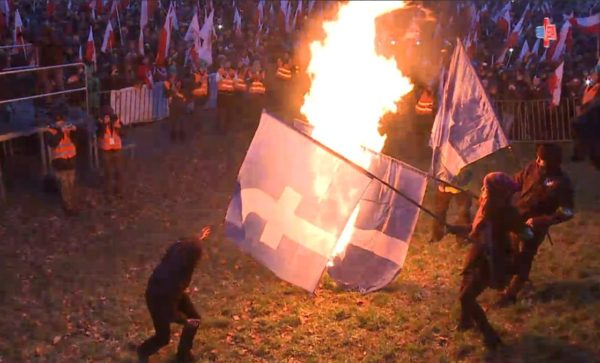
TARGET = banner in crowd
(140,104)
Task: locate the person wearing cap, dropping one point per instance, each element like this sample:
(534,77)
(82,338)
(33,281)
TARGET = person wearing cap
(168,301)
(444,194)
(110,144)
(225,95)
(488,263)
(545,198)
(63,153)
(200,86)
(257,91)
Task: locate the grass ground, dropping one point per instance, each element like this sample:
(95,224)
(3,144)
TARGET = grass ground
(73,291)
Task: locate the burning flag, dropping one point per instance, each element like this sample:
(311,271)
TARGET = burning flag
(303,207)
(555,84)
(277,215)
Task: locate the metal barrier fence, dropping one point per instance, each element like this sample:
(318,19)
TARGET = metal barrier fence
(139,104)
(535,120)
(20,56)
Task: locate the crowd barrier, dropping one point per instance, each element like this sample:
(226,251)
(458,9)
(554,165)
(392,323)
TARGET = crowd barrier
(140,104)
(20,56)
(536,120)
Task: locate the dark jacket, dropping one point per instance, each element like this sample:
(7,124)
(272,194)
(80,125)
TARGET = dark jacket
(174,272)
(542,195)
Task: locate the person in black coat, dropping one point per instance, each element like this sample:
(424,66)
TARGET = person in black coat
(167,300)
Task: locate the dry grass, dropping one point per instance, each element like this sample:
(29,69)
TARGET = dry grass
(74,292)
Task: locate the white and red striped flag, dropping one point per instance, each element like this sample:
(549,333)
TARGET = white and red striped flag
(165,39)
(588,25)
(555,84)
(90,48)
(109,39)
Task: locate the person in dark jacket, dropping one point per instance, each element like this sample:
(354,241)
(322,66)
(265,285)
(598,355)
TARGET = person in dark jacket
(546,198)
(63,152)
(167,300)
(110,144)
(489,262)
(178,99)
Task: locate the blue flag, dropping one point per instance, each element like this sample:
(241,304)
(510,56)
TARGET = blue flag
(384,226)
(466,127)
(292,202)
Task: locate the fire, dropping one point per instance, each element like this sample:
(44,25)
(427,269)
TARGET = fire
(352,87)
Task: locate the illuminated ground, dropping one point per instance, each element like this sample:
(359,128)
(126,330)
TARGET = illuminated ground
(74,292)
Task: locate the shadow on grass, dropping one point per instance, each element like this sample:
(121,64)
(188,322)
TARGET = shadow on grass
(576,292)
(537,348)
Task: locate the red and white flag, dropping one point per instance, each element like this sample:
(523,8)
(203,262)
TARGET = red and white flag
(164,39)
(109,39)
(90,48)
(173,16)
(536,48)
(503,18)
(97,5)
(18,35)
(555,84)
(546,8)
(588,25)
(237,22)
(206,34)
(114,8)
(513,39)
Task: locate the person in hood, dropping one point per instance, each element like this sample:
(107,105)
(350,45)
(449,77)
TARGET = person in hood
(168,301)
(488,263)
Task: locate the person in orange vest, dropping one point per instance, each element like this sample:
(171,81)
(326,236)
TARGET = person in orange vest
(424,106)
(110,144)
(257,91)
(284,76)
(200,87)
(241,89)
(225,92)
(177,99)
(63,153)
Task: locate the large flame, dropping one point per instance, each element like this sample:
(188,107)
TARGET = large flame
(352,87)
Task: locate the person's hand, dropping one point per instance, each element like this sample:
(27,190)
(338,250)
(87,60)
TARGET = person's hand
(193,322)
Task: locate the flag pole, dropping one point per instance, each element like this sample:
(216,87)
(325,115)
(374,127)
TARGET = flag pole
(119,22)
(372,176)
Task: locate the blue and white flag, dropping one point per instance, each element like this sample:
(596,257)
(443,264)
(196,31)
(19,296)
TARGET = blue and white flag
(384,226)
(292,202)
(466,128)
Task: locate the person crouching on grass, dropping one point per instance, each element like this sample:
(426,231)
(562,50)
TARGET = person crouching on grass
(167,300)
